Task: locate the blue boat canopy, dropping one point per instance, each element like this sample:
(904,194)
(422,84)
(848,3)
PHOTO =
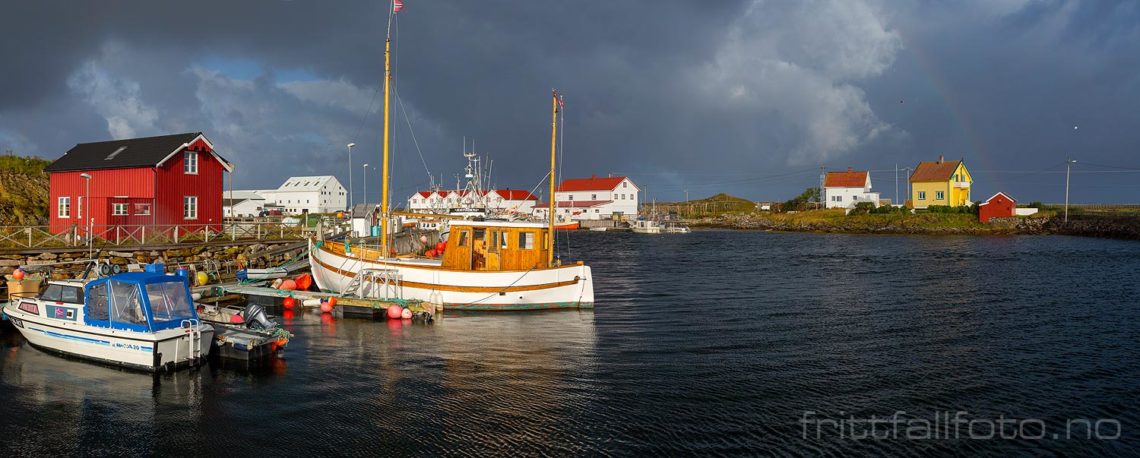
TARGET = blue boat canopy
(138,301)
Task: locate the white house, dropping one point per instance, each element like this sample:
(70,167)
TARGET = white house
(594,198)
(845,189)
(319,194)
(242,204)
(514,200)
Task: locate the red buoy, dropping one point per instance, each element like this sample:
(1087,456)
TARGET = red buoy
(304,281)
(440,246)
(430,253)
(288,303)
(395,311)
(288,285)
(18,274)
(326,307)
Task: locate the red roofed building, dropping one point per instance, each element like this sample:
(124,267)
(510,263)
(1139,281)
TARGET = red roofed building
(514,200)
(845,189)
(594,198)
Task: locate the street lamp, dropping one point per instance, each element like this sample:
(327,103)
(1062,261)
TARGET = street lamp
(1068,165)
(350,145)
(87,209)
(365,182)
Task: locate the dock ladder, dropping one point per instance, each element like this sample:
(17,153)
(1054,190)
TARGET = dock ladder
(195,334)
(375,284)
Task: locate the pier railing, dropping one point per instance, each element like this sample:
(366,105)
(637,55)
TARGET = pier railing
(30,237)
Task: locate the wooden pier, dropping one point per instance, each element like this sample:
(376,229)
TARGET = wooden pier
(271,297)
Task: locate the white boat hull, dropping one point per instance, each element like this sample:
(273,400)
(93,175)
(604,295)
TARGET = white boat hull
(569,286)
(147,351)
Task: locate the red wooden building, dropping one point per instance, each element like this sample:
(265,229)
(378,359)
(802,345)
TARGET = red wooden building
(998,206)
(123,185)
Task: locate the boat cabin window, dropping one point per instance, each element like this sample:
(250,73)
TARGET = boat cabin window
(168,301)
(526,240)
(97,305)
(126,303)
(493,242)
(504,244)
(62,293)
(462,238)
(479,234)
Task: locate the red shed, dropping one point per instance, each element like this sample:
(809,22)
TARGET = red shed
(156,182)
(998,206)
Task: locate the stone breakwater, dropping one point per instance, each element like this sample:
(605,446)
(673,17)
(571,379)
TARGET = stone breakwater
(227,256)
(1107,227)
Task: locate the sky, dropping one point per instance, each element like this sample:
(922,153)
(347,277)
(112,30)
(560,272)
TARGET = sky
(688,98)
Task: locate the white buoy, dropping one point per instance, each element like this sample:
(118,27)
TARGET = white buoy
(311,302)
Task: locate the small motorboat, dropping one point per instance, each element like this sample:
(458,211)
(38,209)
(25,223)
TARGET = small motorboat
(138,320)
(244,334)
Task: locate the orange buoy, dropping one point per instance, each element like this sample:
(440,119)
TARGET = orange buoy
(326,307)
(332,301)
(288,285)
(430,253)
(288,303)
(304,281)
(395,312)
(18,274)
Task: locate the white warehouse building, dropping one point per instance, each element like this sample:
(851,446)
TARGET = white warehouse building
(314,194)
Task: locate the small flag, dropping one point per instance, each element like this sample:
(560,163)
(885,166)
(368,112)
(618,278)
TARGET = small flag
(558,98)
(397,5)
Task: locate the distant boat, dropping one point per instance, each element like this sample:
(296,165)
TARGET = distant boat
(646,226)
(139,320)
(598,229)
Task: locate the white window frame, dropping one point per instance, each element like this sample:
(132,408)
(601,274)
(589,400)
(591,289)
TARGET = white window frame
(115,207)
(79,208)
(63,207)
(189,207)
(922,195)
(141,206)
(190,163)
(939,195)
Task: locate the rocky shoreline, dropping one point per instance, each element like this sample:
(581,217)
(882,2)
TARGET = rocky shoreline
(1104,227)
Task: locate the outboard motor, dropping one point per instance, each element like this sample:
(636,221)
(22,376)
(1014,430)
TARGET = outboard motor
(255,318)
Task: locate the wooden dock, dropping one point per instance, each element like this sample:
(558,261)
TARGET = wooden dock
(272,297)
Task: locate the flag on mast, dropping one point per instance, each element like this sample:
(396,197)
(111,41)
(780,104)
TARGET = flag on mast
(558,98)
(397,5)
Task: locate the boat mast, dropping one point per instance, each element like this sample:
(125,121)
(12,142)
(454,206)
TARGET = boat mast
(553,147)
(387,91)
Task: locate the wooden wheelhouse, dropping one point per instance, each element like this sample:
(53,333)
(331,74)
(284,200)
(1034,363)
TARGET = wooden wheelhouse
(496,246)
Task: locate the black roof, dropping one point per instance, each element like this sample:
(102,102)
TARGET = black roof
(132,152)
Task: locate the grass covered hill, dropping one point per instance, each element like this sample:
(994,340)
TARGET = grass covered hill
(711,206)
(23,191)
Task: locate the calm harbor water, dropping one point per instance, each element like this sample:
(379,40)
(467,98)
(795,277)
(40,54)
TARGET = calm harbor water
(716,342)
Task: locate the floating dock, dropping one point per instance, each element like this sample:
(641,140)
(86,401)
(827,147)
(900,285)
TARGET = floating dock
(271,297)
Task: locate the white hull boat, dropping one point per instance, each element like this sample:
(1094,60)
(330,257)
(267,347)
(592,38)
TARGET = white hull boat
(477,271)
(138,320)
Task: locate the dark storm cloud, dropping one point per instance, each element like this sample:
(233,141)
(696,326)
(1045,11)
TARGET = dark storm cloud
(741,96)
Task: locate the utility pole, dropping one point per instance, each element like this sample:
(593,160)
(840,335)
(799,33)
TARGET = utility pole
(896,183)
(819,195)
(1068,165)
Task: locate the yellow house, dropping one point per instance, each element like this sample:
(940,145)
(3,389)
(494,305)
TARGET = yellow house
(940,183)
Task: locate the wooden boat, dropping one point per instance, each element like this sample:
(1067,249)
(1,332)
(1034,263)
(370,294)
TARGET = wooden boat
(487,265)
(138,320)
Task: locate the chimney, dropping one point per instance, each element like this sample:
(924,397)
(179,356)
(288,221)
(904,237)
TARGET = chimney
(940,158)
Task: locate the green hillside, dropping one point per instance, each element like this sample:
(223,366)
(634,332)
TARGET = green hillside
(23,191)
